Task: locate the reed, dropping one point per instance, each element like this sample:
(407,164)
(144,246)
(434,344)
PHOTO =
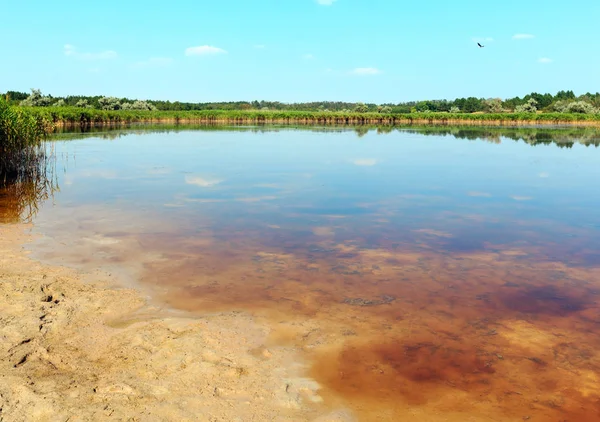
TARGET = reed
(22,150)
(25,163)
(73,116)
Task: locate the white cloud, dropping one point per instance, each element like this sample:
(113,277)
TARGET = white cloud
(363,71)
(71,51)
(326,2)
(260,46)
(308,57)
(365,162)
(204,50)
(201,181)
(544,175)
(544,60)
(523,36)
(154,62)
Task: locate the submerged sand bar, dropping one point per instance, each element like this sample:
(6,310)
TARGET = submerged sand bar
(75,350)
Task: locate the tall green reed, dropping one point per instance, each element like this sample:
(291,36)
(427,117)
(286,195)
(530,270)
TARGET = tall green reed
(26,164)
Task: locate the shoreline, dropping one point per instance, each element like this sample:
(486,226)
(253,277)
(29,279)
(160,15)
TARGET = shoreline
(67,124)
(51,117)
(87,349)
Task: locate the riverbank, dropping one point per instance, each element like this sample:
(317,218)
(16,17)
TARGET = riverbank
(78,117)
(75,346)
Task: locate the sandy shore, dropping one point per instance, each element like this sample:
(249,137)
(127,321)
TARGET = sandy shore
(78,351)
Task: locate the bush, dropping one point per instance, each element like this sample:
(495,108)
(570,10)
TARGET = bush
(494,105)
(36,99)
(83,104)
(528,107)
(361,108)
(560,106)
(109,103)
(581,107)
(138,105)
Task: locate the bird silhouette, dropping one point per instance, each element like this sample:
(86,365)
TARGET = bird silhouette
(481,46)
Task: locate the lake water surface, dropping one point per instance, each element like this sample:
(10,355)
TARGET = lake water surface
(427,274)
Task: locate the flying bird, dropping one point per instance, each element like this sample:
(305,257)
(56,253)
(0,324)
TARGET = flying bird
(481,46)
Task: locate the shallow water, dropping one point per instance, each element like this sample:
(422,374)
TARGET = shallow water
(427,274)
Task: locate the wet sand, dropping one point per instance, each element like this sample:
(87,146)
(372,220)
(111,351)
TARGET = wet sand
(76,346)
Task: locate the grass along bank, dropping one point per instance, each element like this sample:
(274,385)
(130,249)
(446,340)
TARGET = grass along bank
(25,164)
(74,116)
(22,132)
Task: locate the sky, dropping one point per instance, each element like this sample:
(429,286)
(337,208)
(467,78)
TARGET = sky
(376,51)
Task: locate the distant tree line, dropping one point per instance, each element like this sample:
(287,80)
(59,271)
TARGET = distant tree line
(563,101)
(37,99)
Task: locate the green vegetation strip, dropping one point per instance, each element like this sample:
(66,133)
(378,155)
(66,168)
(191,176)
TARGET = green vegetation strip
(82,117)
(21,134)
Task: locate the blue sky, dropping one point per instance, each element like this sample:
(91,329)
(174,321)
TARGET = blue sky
(299,50)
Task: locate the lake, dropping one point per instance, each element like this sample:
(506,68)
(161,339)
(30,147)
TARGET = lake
(422,271)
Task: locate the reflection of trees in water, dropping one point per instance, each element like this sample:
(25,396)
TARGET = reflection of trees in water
(23,192)
(561,137)
(383,130)
(361,131)
(114,132)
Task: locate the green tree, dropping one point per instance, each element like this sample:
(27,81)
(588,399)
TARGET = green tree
(543,100)
(469,105)
(422,107)
(15,96)
(361,108)
(564,95)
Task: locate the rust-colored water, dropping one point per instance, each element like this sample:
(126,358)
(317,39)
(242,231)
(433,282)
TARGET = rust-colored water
(487,335)
(421,289)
